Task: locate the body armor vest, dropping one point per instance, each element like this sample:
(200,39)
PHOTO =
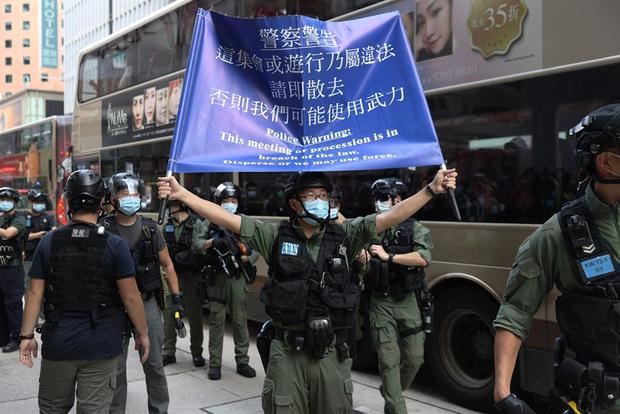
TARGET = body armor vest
(181,250)
(10,249)
(392,278)
(228,260)
(300,288)
(145,254)
(77,280)
(589,315)
(35,224)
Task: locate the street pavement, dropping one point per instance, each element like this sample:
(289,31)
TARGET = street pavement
(192,392)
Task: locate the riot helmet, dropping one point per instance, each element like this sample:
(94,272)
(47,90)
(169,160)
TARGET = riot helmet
(125,193)
(84,190)
(38,199)
(8,197)
(597,132)
(335,201)
(227,190)
(316,212)
(384,192)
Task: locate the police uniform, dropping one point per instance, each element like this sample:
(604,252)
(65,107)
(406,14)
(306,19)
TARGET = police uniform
(12,273)
(145,241)
(34,223)
(314,272)
(187,265)
(83,333)
(395,319)
(225,292)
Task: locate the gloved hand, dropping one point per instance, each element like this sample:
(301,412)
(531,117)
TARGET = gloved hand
(319,335)
(513,405)
(177,305)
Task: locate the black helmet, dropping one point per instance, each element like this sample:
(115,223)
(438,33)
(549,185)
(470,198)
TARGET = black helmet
(84,189)
(301,181)
(597,132)
(335,194)
(385,188)
(8,192)
(183,206)
(37,195)
(226,189)
(106,184)
(125,181)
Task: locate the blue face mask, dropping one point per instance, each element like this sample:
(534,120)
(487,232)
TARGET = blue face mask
(383,206)
(6,205)
(318,208)
(333,213)
(38,208)
(230,207)
(129,205)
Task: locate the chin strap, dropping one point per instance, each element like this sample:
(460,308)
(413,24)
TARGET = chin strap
(606,180)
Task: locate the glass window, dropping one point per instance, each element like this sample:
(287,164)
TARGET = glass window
(8,44)
(157,49)
(7,8)
(8,61)
(26,7)
(26,60)
(7,144)
(145,161)
(26,78)
(88,84)
(8,78)
(26,25)
(8,26)
(26,42)
(45,77)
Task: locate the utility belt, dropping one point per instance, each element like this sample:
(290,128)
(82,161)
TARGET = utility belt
(300,341)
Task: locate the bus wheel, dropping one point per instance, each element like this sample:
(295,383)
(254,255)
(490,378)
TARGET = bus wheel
(460,348)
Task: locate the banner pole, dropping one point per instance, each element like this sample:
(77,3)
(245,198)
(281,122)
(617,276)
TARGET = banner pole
(162,204)
(453,203)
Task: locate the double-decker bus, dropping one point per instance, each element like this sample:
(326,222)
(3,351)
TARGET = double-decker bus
(38,156)
(507,135)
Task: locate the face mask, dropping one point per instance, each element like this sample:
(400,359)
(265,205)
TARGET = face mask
(6,205)
(230,207)
(129,205)
(39,208)
(318,208)
(383,206)
(333,213)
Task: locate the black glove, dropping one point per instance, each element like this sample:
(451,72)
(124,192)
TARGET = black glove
(513,405)
(177,305)
(319,336)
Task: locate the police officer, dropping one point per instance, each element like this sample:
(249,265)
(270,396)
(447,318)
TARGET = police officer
(311,294)
(38,223)
(85,276)
(230,273)
(395,279)
(561,253)
(178,233)
(12,234)
(149,252)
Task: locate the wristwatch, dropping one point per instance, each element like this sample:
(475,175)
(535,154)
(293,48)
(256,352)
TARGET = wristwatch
(26,337)
(430,191)
(390,257)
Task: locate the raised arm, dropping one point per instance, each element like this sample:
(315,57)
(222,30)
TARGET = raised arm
(170,187)
(444,179)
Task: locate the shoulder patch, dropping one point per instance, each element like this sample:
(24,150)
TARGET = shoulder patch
(289,249)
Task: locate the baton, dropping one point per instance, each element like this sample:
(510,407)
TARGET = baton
(162,204)
(453,205)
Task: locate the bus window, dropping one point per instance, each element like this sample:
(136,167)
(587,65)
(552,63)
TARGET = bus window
(157,48)
(88,83)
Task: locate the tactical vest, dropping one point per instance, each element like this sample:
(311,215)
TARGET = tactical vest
(400,280)
(300,288)
(10,250)
(145,254)
(226,241)
(35,224)
(77,280)
(589,315)
(181,250)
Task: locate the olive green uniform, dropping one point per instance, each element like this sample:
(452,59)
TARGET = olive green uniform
(225,293)
(399,358)
(188,283)
(295,382)
(543,260)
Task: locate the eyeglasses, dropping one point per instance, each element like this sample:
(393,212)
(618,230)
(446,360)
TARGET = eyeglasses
(313,196)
